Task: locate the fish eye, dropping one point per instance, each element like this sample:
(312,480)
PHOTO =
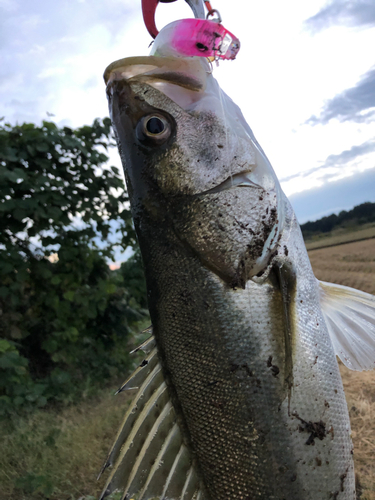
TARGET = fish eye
(153,130)
(155,125)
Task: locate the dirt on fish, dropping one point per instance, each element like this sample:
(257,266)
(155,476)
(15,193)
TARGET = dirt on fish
(316,429)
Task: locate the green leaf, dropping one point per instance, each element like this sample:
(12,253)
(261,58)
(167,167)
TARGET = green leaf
(56,280)
(5,345)
(111,288)
(45,273)
(19,214)
(12,359)
(69,295)
(6,267)
(15,332)
(10,175)
(20,370)
(30,150)
(9,154)
(42,401)
(50,345)
(42,147)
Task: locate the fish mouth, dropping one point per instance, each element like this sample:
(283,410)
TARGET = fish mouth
(242,179)
(188,73)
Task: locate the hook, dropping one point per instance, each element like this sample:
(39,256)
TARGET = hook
(149,9)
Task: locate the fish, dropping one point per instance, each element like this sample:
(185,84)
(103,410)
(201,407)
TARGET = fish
(239,396)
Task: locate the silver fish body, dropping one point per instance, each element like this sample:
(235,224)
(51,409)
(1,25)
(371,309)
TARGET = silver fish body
(241,338)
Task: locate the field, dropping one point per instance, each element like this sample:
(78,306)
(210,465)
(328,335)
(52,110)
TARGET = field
(56,454)
(353,264)
(340,236)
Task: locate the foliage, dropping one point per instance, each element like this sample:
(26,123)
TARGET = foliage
(360,214)
(63,323)
(133,275)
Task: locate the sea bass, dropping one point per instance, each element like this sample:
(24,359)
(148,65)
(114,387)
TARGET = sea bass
(240,395)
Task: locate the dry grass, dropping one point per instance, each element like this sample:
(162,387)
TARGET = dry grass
(353,265)
(341,235)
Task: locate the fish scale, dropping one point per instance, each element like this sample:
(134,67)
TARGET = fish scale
(220,423)
(206,384)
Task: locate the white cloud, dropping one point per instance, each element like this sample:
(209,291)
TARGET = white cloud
(9,5)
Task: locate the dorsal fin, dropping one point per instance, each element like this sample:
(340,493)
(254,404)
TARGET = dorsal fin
(147,345)
(149,458)
(350,319)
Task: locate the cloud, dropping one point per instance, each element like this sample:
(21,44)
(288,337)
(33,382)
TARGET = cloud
(51,48)
(333,197)
(8,5)
(335,162)
(355,104)
(346,13)
(350,154)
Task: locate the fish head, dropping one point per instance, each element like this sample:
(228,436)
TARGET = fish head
(190,159)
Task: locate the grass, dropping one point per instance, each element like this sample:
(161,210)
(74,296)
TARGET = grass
(56,454)
(360,397)
(341,235)
(353,265)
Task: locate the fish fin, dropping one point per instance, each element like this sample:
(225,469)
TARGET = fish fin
(137,378)
(147,345)
(149,458)
(350,319)
(287,281)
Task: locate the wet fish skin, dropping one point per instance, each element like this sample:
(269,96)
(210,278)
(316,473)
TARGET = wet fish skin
(248,360)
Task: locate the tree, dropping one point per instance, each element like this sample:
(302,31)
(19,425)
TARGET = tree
(360,214)
(133,275)
(63,314)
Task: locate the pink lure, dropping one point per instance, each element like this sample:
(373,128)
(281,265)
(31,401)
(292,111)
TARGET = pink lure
(204,38)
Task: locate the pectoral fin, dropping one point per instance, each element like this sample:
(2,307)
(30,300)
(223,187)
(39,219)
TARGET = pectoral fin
(149,458)
(350,319)
(287,282)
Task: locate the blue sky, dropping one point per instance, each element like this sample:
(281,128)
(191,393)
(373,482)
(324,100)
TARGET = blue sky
(304,79)
(333,197)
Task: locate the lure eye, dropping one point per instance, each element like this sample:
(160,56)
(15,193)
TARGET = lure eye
(153,130)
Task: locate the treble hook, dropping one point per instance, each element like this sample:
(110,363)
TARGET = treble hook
(149,9)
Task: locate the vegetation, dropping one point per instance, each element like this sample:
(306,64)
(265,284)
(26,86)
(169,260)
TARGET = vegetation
(353,265)
(360,214)
(58,455)
(133,275)
(340,236)
(64,316)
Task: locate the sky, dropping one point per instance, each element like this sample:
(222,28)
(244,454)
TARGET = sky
(304,79)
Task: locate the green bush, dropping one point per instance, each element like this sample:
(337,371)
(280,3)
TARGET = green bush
(64,316)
